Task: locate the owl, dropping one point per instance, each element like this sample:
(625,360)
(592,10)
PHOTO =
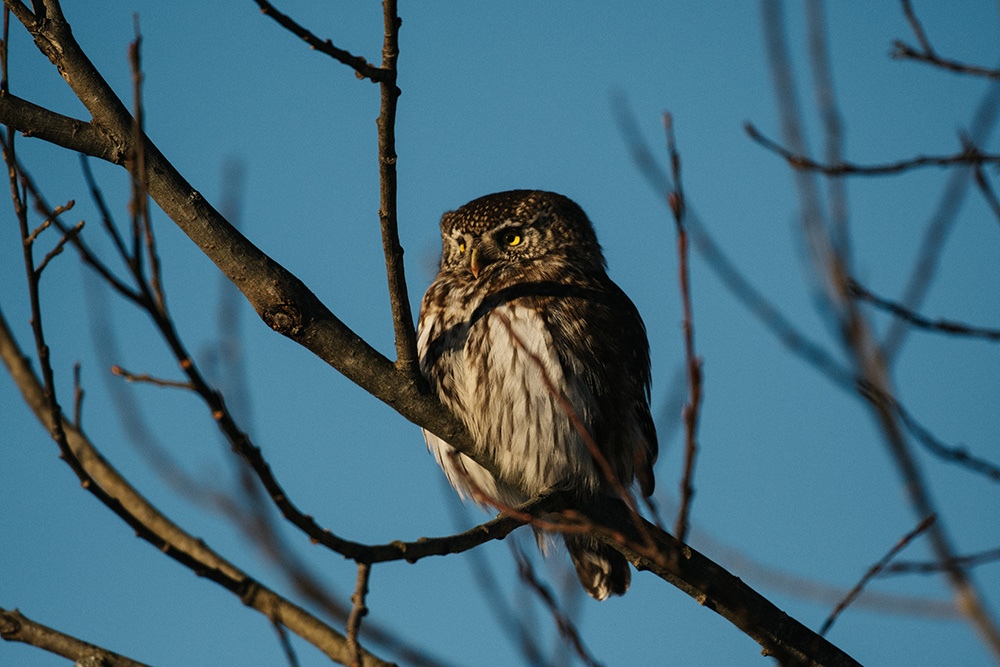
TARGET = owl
(523,337)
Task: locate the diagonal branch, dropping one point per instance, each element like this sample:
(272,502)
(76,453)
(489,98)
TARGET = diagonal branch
(16,627)
(279,297)
(363,68)
(151,525)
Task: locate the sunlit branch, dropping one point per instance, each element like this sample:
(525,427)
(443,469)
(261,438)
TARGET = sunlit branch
(16,627)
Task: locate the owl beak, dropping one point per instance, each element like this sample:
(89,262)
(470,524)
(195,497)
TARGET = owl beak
(475,262)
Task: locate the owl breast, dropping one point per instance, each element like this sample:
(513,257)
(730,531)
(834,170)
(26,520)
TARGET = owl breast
(497,369)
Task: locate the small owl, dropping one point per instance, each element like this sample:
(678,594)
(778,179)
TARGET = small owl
(526,339)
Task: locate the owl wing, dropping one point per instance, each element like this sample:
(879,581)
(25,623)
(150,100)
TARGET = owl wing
(608,350)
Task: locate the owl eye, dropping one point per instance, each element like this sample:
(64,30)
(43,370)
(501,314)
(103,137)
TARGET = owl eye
(512,239)
(461,247)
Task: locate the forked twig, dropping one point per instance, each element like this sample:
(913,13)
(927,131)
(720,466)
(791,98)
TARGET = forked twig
(927,54)
(873,571)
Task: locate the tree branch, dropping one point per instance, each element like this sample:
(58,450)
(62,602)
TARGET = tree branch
(16,627)
(279,297)
(152,526)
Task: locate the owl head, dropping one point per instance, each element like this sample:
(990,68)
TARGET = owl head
(517,228)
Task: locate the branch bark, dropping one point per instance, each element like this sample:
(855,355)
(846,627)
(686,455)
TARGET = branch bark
(16,627)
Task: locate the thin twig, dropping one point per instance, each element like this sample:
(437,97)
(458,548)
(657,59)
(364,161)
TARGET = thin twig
(873,571)
(77,397)
(918,30)
(361,67)
(922,567)
(950,454)
(145,377)
(969,155)
(68,237)
(987,190)
(140,179)
(692,361)
(903,51)
(927,54)
(950,327)
(358,612)
(941,222)
(833,133)
(286,643)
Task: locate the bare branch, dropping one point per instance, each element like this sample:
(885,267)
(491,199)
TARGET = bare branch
(154,527)
(361,67)
(941,222)
(868,358)
(145,377)
(915,567)
(873,571)
(358,612)
(16,627)
(987,190)
(970,155)
(940,325)
(927,54)
(281,299)
(402,318)
(692,361)
(58,248)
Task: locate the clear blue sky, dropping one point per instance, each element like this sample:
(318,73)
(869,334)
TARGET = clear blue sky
(792,476)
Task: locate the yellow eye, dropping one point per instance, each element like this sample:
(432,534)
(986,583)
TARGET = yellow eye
(461,247)
(512,239)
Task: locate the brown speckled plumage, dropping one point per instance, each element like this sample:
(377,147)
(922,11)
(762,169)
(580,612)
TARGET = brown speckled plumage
(521,321)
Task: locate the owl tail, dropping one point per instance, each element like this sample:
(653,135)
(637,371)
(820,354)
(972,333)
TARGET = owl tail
(602,570)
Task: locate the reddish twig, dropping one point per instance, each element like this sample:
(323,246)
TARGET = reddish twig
(145,377)
(873,571)
(692,361)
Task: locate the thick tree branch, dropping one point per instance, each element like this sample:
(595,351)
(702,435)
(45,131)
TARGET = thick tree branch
(713,587)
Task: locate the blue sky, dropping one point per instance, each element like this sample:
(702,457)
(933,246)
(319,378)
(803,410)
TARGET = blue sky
(792,476)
